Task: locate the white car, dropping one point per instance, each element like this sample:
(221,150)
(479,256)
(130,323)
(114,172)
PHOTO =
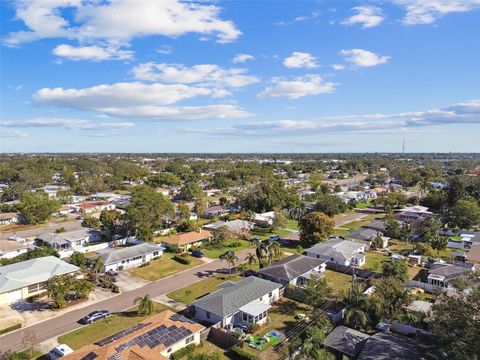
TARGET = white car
(59,351)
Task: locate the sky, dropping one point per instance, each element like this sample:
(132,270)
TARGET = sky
(240,76)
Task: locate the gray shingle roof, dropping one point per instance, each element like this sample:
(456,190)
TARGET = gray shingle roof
(29,272)
(112,255)
(228,299)
(291,267)
(345,340)
(336,248)
(79,234)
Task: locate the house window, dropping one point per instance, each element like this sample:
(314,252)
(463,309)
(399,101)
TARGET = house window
(33,288)
(331,259)
(318,256)
(169,350)
(245,317)
(189,339)
(270,294)
(155,253)
(208,314)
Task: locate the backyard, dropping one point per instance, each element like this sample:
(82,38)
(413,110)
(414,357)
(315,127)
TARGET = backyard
(163,267)
(374,260)
(338,282)
(89,334)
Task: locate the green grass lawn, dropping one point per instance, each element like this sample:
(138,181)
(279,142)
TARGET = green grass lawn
(163,267)
(338,282)
(88,334)
(201,288)
(362,206)
(215,253)
(291,224)
(374,261)
(397,245)
(340,232)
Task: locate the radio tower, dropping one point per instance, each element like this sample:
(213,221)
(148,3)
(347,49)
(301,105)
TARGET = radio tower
(403,146)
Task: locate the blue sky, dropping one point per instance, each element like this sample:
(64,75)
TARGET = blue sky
(240,76)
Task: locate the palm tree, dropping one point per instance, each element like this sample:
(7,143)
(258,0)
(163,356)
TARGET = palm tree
(276,249)
(97,266)
(230,258)
(356,302)
(145,305)
(261,250)
(251,259)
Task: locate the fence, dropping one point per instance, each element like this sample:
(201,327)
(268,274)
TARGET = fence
(427,287)
(221,338)
(349,270)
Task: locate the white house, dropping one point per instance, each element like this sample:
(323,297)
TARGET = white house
(266,218)
(293,270)
(24,279)
(465,242)
(8,218)
(11,248)
(244,302)
(339,251)
(128,257)
(92,207)
(69,241)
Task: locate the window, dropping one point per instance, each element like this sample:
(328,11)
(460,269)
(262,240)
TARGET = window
(169,350)
(155,253)
(245,317)
(331,259)
(208,314)
(270,294)
(189,339)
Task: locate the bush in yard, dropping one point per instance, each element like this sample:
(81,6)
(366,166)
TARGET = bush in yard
(11,328)
(253,327)
(177,355)
(115,289)
(182,259)
(145,264)
(240,354)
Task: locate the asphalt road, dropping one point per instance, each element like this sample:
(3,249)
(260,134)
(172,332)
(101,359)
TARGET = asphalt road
(65,323)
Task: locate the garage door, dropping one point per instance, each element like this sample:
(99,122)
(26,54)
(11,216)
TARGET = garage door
(14,296)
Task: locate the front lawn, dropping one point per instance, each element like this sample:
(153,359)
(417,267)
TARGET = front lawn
(163,267)
(373,261)
(198,289)
(291,224)
(363,206)
(215,252)
(338,282)
(88,334)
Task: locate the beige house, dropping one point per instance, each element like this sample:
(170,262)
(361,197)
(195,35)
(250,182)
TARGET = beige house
(24,279)
(185,241)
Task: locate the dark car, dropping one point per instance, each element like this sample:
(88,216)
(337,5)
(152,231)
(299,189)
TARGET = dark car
(197,254)
(274,238)
(94,316)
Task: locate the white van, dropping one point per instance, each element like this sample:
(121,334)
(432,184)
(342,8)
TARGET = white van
(59,351)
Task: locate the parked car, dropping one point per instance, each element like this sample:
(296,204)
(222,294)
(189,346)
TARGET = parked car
(59,351)
(112,273)
(94,316)
(197,254)
(274,238)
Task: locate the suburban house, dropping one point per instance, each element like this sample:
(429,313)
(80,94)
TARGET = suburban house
(345,341)
(412,213)
(92,207)
(293,270)
(215,210)
(24,279)
(8,218)
(242,303)
(128,257)
(235,226)
(69,240)
(465,241)
(156,338)
(339,251)
(11,248)
(186,240)
(368,235)
(264,218)
(212,192)
(441,274)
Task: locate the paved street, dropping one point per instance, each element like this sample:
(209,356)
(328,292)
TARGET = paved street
(68,322)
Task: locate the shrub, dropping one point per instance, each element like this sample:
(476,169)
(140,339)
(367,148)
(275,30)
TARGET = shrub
(182,259)
(145,264)
(253,327)
(172,249)
(240,354)
(32,298)
(10,328)
(115,289)
(120,267)
(187,350)
(157,258)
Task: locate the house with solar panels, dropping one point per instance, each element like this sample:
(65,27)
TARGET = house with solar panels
(238,303)
(156,338)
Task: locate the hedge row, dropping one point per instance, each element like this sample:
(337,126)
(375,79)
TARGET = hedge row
(182,260)
(11,328)
(187,350)
(241,354)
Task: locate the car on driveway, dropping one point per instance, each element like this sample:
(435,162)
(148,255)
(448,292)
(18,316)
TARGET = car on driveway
(197,254)
(94,316)
(274,238)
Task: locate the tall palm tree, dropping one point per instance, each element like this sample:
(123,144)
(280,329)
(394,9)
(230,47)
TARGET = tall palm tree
(261,250)
(145,305)
(230,258)
(355,311)
(97,266)
(276,249)
(251,259)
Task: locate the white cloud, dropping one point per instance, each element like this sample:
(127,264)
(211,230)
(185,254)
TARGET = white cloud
(338,67)
(241,58)
(203,74)
(311,84)
(72,124)
(300,60)
(12,133)
(117,22)
(165,50)
(313,15)
(367,16)
(429,11)
(364,58)
(94,52)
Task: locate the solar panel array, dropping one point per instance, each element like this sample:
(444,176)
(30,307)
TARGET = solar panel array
(121,334)
(153,338)
(89,356)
